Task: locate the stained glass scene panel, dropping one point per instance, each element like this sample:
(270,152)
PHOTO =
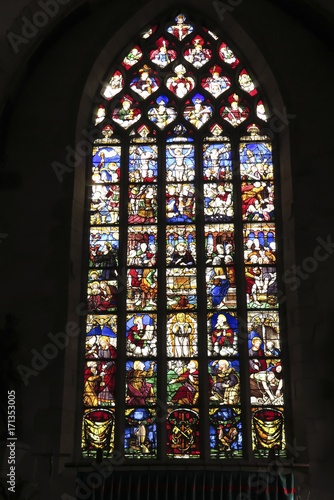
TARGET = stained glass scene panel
(140,435)
(99,383)
(103,248)
(256,161)
(218,202)
(224,382)
(216,83)
(106,164)
(222,334)
(181,288)
(266,384)
(219,244)
(142,290)
(142,205)
(101,338)
(180,163)
(180,246)
(104,204)
(141,335)
(217,162)
(257,201)
(259,243)
(261,287)
(182,382)
(141,383)
(142,246)
(182,335)
(221,290)
(264,326)
(225,432)
(101,293)
(143,163)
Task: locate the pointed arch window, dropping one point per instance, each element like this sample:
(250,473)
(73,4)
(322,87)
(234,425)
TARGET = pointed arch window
(183,348)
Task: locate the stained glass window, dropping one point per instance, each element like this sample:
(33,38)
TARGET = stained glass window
(182,255)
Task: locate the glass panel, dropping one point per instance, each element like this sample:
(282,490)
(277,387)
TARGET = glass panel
(199,112)
(142,203)
(142,290)
(259,243)
(220,285)
(180,246)
(140,437)
(266,383)
(256,161)
(224,382)
(133,57)
(182,335)
(181,288)
(219,244)
(127,113)
(141,382)
(257,200)
(225,432)
(180,29)
(268,431)
(246,83)
(182,382)
(141,335)
(218,202)
(104,206)
(101,339)
(236,113)
(143,163)
(197,54)
(222,334)
(114,86)
(217,162)
(265,326)
(142,246)
(261,287)
(103,249)
(180,84)
(217,83)
(99,383)
(180,201)
(183,433)
(228,56)
(98,428)
(180,163)
(163,55)
(101,293)
(146,83)
(106,164)
(162,115)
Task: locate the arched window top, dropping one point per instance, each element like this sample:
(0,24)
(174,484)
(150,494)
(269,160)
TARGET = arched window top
(183,349)
(175,73)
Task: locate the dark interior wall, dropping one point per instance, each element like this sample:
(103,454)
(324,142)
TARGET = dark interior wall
(39,124)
